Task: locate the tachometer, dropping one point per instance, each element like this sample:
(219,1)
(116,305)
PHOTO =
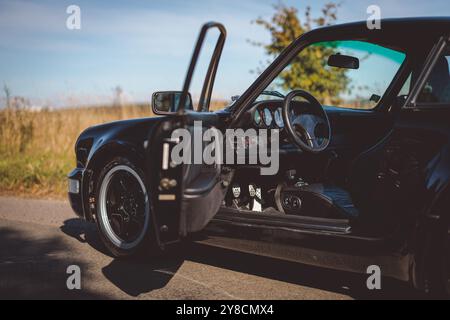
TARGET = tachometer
(268,117)
(278,118)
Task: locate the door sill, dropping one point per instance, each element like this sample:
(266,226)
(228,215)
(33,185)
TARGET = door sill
(283,221)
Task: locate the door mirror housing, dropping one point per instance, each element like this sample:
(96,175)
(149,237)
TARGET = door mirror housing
(343,61)
(168,102)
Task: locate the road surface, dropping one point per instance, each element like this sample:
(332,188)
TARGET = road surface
(39,239)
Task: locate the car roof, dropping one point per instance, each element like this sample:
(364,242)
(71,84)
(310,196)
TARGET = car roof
(394,32)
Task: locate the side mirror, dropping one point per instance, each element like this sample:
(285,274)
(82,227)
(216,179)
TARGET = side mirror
(167,102)
(343,61)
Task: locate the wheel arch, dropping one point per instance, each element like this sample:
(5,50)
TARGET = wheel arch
(98,160)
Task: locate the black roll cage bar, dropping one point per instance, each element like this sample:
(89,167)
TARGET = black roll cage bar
(205,97)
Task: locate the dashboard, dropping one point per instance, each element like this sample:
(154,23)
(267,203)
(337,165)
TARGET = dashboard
(268,115)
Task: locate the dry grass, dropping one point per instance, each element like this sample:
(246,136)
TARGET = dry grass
(37,148)
(55,132)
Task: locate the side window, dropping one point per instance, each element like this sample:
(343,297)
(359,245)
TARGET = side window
(437,87)
(406,87)
(404,91)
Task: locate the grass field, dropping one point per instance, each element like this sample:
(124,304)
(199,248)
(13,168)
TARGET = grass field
(37,148)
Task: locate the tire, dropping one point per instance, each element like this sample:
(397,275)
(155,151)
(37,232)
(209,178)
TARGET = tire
(123,209)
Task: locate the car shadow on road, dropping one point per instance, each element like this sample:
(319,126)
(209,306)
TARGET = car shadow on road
(84,232)
(145,274)
(35,267)
(134,276)
(142,275)
(347,283)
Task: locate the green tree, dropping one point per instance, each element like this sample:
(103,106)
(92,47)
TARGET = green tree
(308,70)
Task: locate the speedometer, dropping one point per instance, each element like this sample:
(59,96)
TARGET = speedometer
(278,118)
(268,117)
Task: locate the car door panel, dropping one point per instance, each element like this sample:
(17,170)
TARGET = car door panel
(185,197)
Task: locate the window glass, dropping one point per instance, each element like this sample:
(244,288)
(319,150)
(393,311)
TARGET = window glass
(406,87)
(340,86)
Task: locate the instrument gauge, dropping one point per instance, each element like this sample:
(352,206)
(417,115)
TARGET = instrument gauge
(279,119)
(257,117)
(268,117)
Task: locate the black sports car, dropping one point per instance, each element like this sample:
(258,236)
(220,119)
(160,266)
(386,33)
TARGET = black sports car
(362,178)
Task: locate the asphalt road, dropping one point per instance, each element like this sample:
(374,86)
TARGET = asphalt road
(39,239)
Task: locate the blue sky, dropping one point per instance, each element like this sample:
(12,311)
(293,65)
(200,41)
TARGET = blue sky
(142,46)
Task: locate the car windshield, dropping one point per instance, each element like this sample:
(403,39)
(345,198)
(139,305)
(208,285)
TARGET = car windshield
(359,86)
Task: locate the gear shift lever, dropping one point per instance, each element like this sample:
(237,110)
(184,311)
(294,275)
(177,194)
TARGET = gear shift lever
(290,175)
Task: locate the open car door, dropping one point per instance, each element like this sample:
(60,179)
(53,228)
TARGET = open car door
(186,196)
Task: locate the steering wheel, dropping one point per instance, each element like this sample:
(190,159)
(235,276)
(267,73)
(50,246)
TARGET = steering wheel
(310,130)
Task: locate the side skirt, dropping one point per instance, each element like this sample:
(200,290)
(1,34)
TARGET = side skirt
(318,242)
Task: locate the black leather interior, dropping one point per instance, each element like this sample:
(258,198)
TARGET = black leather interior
(336,202)
(328,200)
